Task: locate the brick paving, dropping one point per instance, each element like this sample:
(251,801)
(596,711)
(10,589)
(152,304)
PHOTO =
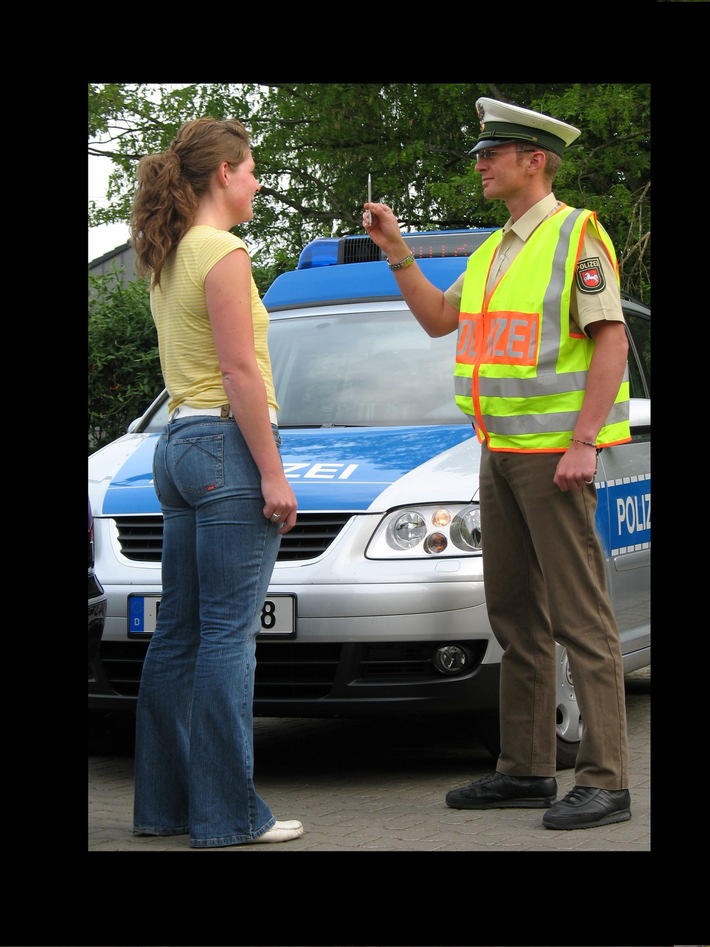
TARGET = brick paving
(380,786)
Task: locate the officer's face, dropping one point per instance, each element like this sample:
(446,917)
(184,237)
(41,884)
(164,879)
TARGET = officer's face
(503,170)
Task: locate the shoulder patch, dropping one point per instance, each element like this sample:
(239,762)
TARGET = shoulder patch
(590,276)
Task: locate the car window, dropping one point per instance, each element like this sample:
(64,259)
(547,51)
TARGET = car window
(156,416)
(639,327)
(364,367)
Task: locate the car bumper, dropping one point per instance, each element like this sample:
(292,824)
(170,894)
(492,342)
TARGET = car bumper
(359,649)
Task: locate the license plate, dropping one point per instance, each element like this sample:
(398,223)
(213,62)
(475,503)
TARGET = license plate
(278,616)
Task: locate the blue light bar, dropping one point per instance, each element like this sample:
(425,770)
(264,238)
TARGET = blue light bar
(425,244)
(359,282)
(320,252)
(353,269)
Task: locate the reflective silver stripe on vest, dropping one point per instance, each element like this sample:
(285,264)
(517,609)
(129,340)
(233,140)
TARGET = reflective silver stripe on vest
(546,423)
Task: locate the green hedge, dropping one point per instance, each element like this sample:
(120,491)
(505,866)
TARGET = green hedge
(124,368)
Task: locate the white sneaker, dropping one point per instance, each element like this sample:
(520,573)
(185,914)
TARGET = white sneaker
(280,832)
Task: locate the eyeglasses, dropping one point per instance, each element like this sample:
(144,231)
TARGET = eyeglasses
(487,153)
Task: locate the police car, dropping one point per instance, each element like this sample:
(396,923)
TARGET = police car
(376,605)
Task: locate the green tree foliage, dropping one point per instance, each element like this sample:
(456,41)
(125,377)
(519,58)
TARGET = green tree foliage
(124,368)
(315,143)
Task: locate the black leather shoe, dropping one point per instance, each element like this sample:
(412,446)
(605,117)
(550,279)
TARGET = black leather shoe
(505,792)
(584,807)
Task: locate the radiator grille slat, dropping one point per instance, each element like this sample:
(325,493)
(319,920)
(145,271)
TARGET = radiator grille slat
(141,537)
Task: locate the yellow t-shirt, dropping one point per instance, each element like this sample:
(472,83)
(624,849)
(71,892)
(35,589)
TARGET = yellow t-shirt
(188,358)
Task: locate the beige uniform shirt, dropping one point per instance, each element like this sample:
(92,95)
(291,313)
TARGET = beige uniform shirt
(602,303)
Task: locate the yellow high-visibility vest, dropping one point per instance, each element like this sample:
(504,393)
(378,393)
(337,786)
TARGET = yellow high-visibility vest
(521,366)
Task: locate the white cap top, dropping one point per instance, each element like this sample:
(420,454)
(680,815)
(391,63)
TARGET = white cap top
(501,122)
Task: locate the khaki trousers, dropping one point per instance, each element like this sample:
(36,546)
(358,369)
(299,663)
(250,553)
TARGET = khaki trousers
(544,580)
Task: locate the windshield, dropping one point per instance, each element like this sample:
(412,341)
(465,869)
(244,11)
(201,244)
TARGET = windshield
(375,366)
(363,367)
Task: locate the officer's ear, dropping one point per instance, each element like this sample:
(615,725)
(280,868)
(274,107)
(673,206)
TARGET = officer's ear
(534,158)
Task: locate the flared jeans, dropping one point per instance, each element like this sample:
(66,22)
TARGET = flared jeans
(194,756)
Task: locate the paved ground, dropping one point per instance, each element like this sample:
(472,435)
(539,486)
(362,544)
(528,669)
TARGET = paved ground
(378,786)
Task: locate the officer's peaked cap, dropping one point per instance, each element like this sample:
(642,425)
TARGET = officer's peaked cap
(501,123)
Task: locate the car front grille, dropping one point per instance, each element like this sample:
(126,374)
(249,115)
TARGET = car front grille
(141,537)
(292,671)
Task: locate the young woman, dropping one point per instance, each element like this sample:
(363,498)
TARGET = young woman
(223,493)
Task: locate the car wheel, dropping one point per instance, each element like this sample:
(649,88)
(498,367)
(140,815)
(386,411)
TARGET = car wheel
(569,719)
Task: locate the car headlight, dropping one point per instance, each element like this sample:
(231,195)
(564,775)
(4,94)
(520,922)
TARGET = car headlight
(424,531)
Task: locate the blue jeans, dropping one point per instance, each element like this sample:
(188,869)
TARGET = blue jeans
(194,757)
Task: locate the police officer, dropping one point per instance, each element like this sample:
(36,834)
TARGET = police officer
(541,371)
